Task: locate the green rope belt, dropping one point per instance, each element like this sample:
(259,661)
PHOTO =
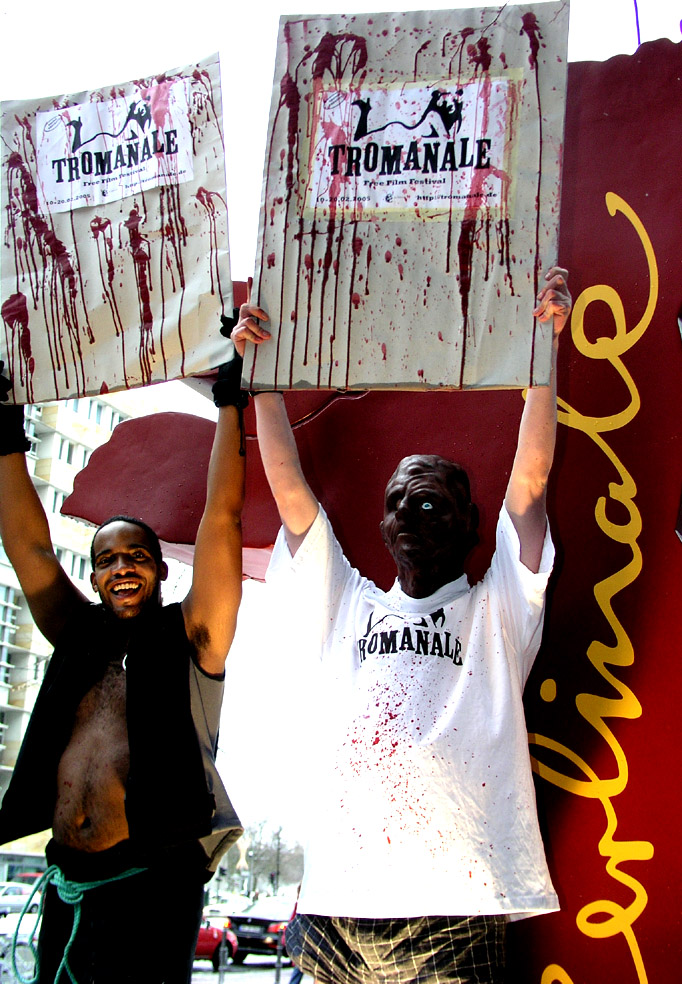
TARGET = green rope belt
(70,892)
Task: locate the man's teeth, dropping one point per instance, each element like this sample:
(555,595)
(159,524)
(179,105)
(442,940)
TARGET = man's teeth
(125,586)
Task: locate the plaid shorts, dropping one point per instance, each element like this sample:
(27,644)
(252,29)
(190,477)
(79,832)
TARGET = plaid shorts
(426,950)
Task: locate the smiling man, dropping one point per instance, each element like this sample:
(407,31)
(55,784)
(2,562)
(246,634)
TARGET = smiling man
(424,838)
(118,758)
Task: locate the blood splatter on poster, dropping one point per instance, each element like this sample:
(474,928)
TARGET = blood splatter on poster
(115,261)
(411,198)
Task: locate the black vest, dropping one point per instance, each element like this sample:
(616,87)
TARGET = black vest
(167,801)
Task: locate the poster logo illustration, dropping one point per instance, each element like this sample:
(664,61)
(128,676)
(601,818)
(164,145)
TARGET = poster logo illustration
(105,151)
(448,113)
(139,112)
(428,147)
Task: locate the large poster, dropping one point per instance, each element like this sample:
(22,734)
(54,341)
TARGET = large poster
(115,260)
(411,198)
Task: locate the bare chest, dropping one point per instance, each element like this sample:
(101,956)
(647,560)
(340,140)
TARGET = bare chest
(104,705)
(92,772)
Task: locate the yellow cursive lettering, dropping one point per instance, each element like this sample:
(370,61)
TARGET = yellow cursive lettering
(605,918)
(554,974)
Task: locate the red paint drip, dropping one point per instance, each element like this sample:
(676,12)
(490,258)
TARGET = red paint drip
(15,316)
(174,239)
(102,228)
(416,58)
(208,200)
(141,253)
(337,56)
(531,27)
(465,250)
(479,55)
(338,52)
(58,273)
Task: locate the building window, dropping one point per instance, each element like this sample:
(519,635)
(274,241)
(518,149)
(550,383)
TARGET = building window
(117,418)
(57,500)
(7,602)
(66,450)
(8,626)
(5,665)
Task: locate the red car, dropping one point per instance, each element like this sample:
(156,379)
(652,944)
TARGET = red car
(210,936)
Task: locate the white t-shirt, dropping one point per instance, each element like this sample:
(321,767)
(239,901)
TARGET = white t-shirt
(424,804)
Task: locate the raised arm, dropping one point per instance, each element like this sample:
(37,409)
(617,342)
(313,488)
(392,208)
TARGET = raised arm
(210,609)
(296,503)
(527,490)
(26,535)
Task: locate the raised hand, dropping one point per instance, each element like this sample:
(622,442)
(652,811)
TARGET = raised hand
(247,328)
(554,299)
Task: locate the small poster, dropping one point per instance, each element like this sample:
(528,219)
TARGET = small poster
(411,198)
(115,263)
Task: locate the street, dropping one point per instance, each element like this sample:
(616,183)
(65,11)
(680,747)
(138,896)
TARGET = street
(254,970)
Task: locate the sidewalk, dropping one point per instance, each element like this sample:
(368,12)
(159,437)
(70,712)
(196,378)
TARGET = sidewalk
(257,973)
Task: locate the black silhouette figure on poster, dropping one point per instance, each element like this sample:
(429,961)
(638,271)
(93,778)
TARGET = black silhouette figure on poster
(139,113)
(450,114)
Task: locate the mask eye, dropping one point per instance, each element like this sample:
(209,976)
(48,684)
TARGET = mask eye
(427,505)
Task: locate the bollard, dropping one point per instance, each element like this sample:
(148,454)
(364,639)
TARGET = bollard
(222,958)
(278,963)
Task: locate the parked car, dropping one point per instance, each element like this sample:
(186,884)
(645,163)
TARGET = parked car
(229,906)
(14,895)
(210,937)
(8,927)
(259,928)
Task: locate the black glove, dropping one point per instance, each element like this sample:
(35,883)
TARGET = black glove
(227,324)
(13,440)
(227,391)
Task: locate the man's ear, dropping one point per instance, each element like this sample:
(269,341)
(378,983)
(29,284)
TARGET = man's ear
(93,582)
(381,530)
(163,571)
